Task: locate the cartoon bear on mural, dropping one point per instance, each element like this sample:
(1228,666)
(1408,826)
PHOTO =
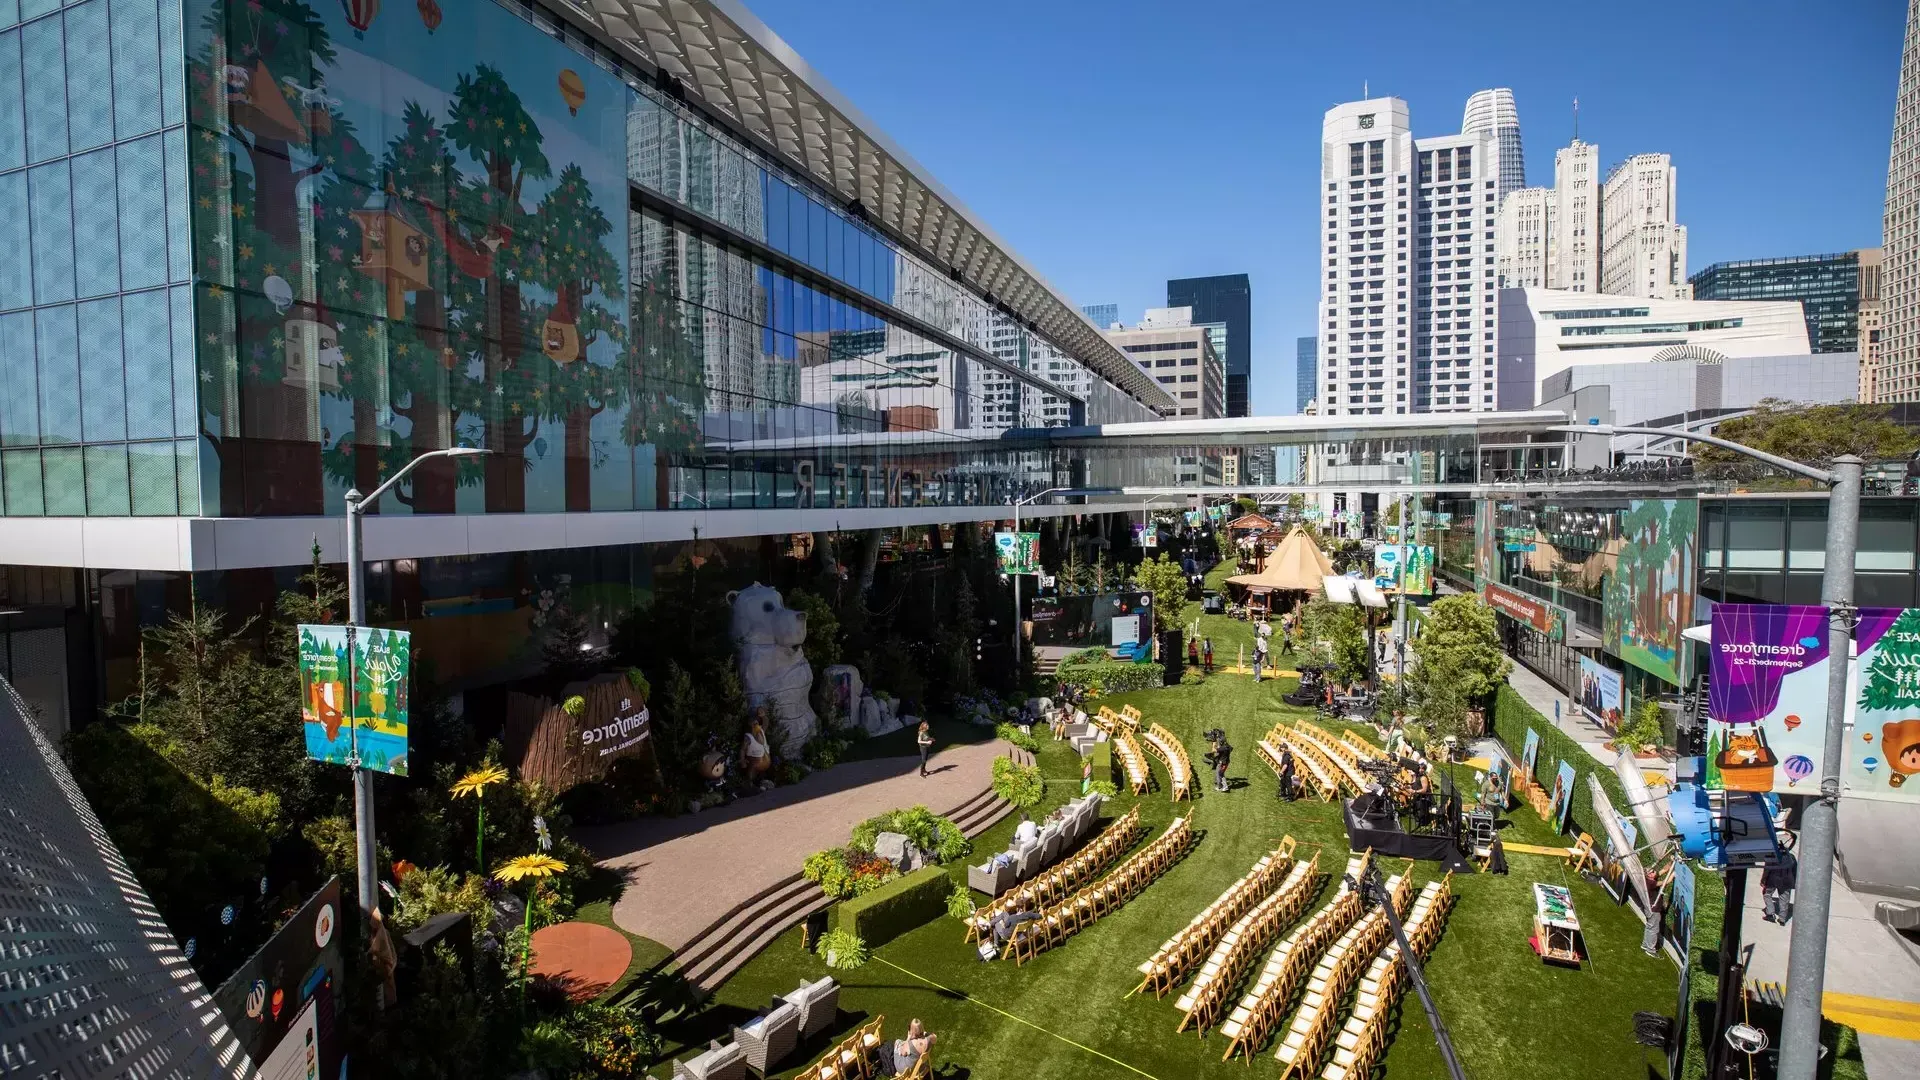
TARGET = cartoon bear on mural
(767,636)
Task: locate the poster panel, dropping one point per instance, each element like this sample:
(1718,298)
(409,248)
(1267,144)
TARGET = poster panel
(1397,564)
(1549,619)
(1681,910)
(1019,552)
(1648,599)
(1883,747)
(1530,754)
(1562,806)
(353,694)
(1766,697)
(1602,693)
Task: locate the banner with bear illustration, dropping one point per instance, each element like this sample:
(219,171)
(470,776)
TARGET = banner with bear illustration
(1883,747)
(353,695)
(1767,701)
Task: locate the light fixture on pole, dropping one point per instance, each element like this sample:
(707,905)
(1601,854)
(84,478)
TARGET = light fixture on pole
(357,505)
(1820,823)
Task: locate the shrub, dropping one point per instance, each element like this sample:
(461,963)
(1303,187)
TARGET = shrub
(939,837)
(960,903)
(896,907)
(842,949)
(1192,677)
(1102,757)
(1104,787)
(1020,785)
(1014,735)
(1643,731)
(574,706)
(844,872)
(1100,674)
(638,680)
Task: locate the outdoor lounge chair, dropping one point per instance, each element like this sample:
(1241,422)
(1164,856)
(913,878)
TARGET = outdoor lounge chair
(718,1063)
(769,1038)
(992,880)
(818,1002)
(1028,862)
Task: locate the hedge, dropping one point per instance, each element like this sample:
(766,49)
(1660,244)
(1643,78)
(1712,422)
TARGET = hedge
(1105,676)
(1512,716)
(1102,758)
(896,907)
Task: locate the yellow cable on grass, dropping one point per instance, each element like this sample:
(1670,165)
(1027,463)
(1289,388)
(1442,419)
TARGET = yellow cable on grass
(1019,1020)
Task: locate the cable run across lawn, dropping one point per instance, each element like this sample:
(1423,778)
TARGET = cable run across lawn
(963,996)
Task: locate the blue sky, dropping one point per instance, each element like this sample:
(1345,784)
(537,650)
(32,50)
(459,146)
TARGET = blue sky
(1118,144)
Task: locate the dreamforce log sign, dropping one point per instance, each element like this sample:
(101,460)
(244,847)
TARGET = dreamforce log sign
(1549,619)
(626,730)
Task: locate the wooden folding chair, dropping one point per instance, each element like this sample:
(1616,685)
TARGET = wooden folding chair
(1581,855)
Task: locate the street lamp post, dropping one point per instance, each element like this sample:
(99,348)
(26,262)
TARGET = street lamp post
(357,505)
(1820,824)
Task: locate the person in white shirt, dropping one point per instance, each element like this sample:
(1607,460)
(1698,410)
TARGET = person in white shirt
(1026,832)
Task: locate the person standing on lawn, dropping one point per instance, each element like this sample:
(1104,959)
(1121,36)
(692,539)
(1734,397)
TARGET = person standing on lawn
(1206,654)
(925,741)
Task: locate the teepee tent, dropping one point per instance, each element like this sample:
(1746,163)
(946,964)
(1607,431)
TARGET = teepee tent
(1296,564)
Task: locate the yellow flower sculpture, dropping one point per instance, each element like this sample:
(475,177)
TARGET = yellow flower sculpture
(476,784)
(530,866)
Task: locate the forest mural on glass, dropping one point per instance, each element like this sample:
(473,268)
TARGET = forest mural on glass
(409,234)
(1648,598)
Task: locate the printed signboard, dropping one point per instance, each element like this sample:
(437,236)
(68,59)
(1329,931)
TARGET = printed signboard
(359,674)
(281,1001)
(1529,754)
(1396,564)
(1549,619)
(1019,552)
(1603,693)
(1766,697)
(1883,747)
(1562,797)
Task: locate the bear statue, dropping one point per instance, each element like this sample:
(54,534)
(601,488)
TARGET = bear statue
(774,672)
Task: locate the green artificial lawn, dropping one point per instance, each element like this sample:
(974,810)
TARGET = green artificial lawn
(646,951)
(1070,1015)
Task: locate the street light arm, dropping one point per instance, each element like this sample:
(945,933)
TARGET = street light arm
(452,451)
(1795,467)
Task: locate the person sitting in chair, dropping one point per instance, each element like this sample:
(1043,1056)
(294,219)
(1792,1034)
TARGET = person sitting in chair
(1005,923)
(903,1054)
(1026,832)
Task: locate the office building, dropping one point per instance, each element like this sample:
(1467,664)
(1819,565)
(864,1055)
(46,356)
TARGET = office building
(1226,299)
(1639,394)
(1101,315)
(1408,301)
(1493,112)
(647,289)
(1574,238)
(1871,261)
(1178,354)
(1643,251)
(1306,371)
(1546,331)
(1523,239)
(1828,287)
(1897,366)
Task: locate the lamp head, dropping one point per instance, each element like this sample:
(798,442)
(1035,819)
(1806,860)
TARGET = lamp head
(464,451)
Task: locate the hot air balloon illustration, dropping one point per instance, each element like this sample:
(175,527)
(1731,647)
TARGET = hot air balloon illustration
(573,90)
(1798,768)
(1793,721)
(360,14)
(1870,764)
(430,15)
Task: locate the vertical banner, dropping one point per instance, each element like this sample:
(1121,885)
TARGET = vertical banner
(1883,749)
(353,695)
(1395,565)
(1767,697)
(1019,552)
(1529,754)
(1681,910)
(1563,781)
(1602,693)
(1649,597)
(1484,542)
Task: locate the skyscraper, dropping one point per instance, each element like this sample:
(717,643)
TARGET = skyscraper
(1494,112)
(1307,376)
(1897,371)
(1575,243)
(1101,315)
(1835,291)
(1226,298)
(1643,250)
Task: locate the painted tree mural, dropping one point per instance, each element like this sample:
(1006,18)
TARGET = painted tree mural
(356,312)
(1648,599)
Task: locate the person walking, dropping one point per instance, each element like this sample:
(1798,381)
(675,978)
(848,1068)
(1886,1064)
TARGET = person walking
(1206,654)
(1193,652)
(1259,656)
(1776,886)
(1285,773)
(1222,754)
(924,739)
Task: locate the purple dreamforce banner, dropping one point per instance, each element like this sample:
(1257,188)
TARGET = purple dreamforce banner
(1766,702)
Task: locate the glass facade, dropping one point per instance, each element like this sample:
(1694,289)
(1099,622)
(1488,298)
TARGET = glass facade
(96,351)
(1760,550)
(1226,299)
(1827,286)
(270,252)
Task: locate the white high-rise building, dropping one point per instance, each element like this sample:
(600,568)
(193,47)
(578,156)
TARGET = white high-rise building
(1643,250)
(1575,242)
(1896,374)
(1408,307)
(1366,352)
(1494,112)
(1523,239)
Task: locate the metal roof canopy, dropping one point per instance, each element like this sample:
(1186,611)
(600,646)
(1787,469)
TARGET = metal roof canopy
(1296,430)
(723,54)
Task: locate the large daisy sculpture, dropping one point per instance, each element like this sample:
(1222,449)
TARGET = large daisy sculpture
(476,784)
(531,869)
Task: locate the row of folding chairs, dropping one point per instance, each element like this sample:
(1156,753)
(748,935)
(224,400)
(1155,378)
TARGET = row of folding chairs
(1066,877)
(1061,921)
(1317,1018)
(1314,775)
(1128,717)
(1359,743)
(1168,748)
(1358,1046)
(1133,760)
(1338,756)
(852,1058)
(1169,964)
(1320,772)
(1343,774)
(1264,1004)
(1204,1001)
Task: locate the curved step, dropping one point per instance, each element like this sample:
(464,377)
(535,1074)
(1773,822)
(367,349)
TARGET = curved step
(738,935)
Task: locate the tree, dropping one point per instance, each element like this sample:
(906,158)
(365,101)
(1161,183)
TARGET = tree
(1164,580)
(1337,634)
(1459,652)
(1813,434)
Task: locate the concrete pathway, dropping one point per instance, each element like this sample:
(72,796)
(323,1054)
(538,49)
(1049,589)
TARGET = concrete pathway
(683,873)
(1873,978)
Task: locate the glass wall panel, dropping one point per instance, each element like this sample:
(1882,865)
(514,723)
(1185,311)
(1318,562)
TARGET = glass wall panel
(152,479)
(173,66)
(106,467)
(20,472)
(103,400)
(143,214)
(13,107)
(64,476)
(50,206)
(43,55)
(19,383)
(149,365)
(89,77)
(56,340)
(16,271)
(136,67)
(96,240)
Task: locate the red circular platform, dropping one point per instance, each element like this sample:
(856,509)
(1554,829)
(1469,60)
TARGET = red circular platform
(584,958)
